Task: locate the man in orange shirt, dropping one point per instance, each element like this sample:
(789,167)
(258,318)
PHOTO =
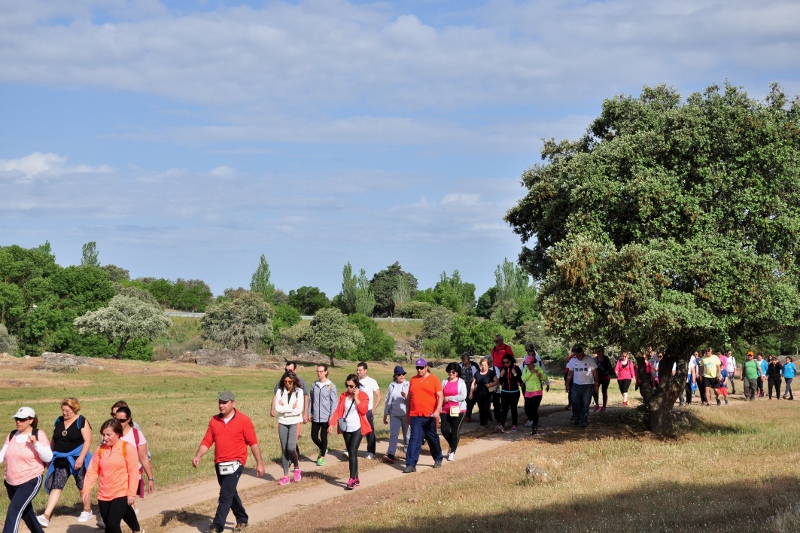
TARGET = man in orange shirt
(230,432)
(424,406)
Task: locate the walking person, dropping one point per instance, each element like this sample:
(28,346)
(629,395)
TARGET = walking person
(751,376)
(395,411)
(483,386)
(116,467)
(764,365)
(230,432)
(424,409)
(468,370)
(291,366)
(72,438)
(290,405)
(691,379)
(373,390)
(499,350)
(534,378)
(24,452)
(138,443)
(774,376)
(604,374)
(350,420)
(582,374)
(789,371)
(530,357)
(731,368)
(322,400)
(510,381)
(454,407)
(626,373)
(712,368)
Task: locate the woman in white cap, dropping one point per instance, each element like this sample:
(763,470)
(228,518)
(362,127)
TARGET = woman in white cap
(395,411)
(25,450)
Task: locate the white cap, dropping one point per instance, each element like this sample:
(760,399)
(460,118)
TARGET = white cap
(25,412)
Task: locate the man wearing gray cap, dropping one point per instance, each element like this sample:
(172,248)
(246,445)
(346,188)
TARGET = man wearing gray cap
(230,432)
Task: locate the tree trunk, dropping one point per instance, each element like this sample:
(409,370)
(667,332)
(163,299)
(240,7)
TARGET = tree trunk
(331,356)
(122,344)
(658,413)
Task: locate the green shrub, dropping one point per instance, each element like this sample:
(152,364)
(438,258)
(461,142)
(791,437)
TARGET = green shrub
(377,345)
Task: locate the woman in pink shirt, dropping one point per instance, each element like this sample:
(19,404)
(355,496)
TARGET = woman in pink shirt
(116,466)
(626,372)
(25,450)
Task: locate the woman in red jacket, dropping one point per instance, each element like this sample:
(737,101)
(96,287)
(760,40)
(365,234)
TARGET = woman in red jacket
(626,372)
(116,467)
(350,419)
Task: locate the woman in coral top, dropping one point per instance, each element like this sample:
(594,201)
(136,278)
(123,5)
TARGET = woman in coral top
(116,466)
(352,410)
(24,451)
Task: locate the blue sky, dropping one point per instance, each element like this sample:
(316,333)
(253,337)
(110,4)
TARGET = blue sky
(187,138)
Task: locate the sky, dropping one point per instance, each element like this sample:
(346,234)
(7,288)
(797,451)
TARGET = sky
(188,138)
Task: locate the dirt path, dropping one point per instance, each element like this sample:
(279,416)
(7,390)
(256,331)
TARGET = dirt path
(178,502)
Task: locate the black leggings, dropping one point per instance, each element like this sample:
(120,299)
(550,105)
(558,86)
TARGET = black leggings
(509,402)
(774,382)
(451,429)
(352,440)
(319,434)
(116,510)
(604,383)
(484,406)
(789,392)
(624,385)
(532,409)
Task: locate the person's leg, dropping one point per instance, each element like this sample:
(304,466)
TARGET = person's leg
(497,404)
(604,384)
(371,436)
(789,392)
(483,409)
(770,386)
(130,518)
(534,416)
(760,386)
(470,406)
(20,508)
(406,432)
(688,392)
(732,382)
(394,433)
(315,434)
(576,405)
(455,423)
(353,441)
(283,436)
(504,407)
(105,507)
(60,476)
(415,446)
(513,405)
(585,393)
(79,475)
(229,499)
(429,426)
(596,397)
(447,429)
(777,387)
(116,510)
(291,446)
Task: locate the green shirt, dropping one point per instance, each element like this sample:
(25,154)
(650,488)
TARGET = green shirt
(750,369)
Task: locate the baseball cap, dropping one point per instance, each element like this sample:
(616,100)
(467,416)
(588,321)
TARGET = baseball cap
(421,362)
(226,396)
(25,412)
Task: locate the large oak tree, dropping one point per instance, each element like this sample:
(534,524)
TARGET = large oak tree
(671,223)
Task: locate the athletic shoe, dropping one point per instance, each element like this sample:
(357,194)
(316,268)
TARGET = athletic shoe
(451,456)
(602,409)
(351,484)
(85,516)
(239,527)
(409,469)
(320,461)
(388,458)
(726,401)
(44,522)
(529,423)
(142,531)
(100,523)
(513,428)
(346,453)
(297,475)
(468,419)
(437,464)
(284,480)
(535,431)
(624,404)
(596,408)
(212,529)
(370,456)
(500,428)
(719,402)
(356,482)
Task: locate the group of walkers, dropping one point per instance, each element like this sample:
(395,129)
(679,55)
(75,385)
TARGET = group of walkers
(413,409)
(116,466)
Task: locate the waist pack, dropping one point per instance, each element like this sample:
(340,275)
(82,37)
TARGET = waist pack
(228,467)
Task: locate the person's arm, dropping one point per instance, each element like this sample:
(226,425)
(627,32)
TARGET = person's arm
(462,392)
(376,400)
(472,388)
(86,433)
(147,466)
(205,445)
(408,405)
(259,462)
(596,378)
(439,399)
(89,479)
(362,402)
(388,403)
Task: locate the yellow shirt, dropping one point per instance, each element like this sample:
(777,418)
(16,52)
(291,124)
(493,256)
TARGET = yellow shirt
(710,365)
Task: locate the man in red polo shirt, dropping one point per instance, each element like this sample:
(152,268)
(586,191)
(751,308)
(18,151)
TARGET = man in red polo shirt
(424,406)
(499,350)
(230,432)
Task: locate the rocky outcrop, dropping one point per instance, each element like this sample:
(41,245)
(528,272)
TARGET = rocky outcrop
(221,357)
(65,362)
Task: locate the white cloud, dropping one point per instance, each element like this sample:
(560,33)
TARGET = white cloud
(43,165)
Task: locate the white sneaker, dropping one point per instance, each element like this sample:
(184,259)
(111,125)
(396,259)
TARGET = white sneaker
(346,453)
(85,516)
(370,456)
(100,523)
(44,522)
(529,423)
(451,456)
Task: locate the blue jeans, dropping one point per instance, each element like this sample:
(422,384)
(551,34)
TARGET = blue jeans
(420,425)
(229,500)
(581,397)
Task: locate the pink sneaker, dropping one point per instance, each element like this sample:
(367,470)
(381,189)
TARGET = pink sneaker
(284,480)
(297,476)
(602,408)
(351,484)
(596,408)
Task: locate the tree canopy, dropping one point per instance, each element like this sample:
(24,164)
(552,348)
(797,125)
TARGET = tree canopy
(240,322)
(670,223)
(332,333)
(308,300)
(391,286)
(260,282)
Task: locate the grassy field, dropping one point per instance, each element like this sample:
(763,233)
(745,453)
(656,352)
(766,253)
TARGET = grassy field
(731,468)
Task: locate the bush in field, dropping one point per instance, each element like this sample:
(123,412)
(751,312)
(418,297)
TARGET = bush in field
(244,321)
(414,309)
(333,334)
(377,344)
(8,343)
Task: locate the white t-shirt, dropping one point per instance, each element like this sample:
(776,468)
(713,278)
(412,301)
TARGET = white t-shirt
(731,365)
(582,370)
(369,386)
(352,418)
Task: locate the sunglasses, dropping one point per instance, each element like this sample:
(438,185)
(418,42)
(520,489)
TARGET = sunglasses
(22,419)
(420,368)
(120,420)
(453,372)
(506,362)
(349,386)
